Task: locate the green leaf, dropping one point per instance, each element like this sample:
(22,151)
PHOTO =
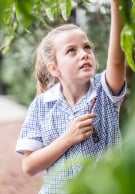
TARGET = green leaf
(24,12)
(65,7)
(50,13)
(4,5)
(133,14)
(125,7)
(127,39)
(51,8)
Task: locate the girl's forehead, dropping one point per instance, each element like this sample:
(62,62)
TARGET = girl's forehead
(70,36)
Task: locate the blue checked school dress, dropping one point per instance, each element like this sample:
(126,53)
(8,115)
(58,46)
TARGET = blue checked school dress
(49,116)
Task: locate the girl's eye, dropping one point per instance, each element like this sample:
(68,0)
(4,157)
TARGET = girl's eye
(71,51)
(87,48)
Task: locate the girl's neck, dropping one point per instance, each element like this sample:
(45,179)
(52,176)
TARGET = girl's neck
(73,93)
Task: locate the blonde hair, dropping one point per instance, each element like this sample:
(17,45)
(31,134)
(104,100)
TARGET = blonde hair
(46,54)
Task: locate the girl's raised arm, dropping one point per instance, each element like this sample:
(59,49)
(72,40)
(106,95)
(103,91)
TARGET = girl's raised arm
(115,71)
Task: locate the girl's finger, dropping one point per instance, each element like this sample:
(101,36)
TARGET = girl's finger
(87,116)
(87,129)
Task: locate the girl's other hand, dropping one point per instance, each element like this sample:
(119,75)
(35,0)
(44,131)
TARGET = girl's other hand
(81,128)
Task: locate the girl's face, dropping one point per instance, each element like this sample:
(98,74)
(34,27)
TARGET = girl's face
(75,59)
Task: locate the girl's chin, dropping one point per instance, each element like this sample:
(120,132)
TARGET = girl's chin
(88,75)
(91,75)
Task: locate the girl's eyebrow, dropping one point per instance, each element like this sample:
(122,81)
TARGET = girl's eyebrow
(69,45)
(87,42)
(74,45)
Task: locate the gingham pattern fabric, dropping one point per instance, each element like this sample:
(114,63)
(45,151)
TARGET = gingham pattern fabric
(49,116)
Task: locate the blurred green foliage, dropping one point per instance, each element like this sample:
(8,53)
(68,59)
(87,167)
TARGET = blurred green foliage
(18,70)
(114,173)
(128,34)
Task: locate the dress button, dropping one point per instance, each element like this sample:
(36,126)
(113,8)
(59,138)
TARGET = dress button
(95,136)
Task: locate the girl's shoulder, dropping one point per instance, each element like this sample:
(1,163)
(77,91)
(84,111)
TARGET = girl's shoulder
(52,94)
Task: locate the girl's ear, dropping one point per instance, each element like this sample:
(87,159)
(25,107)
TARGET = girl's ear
(53,69)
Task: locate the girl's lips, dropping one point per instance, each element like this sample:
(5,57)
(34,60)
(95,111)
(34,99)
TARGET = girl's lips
(86,65)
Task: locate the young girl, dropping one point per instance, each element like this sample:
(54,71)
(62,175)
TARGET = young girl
(60,125)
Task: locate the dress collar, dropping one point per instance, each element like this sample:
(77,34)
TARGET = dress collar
(92,90)
(55,92)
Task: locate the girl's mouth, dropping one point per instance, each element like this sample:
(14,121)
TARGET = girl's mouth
(86,65)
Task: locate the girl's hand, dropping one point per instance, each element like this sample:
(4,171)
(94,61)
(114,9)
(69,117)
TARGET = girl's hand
(80,129)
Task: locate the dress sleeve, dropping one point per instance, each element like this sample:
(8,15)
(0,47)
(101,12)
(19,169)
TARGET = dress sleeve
(108,91)
(30,137)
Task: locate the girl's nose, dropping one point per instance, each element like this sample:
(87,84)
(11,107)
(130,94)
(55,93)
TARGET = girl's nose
(84,55)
